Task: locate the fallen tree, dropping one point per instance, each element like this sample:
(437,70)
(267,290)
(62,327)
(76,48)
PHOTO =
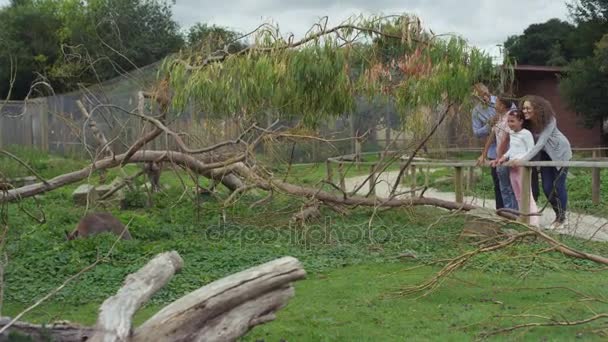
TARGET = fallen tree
(280,77)
(211,170)
(223,310)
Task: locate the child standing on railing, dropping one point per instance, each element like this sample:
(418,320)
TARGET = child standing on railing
(521,142)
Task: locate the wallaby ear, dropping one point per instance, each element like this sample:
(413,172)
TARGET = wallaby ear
(67,235)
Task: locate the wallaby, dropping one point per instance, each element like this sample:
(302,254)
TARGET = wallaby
(97,223)
(153,169)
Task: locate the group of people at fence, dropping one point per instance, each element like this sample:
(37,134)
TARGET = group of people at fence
(516,131)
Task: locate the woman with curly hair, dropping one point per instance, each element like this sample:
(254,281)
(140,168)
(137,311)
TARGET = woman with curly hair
(550,145)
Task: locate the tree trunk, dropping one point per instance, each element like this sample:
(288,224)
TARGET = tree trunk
(221,311)
(226,309)
(65,332)
(197,165)
(116,312)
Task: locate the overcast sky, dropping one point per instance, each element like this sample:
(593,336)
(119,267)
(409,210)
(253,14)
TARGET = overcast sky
(484,23)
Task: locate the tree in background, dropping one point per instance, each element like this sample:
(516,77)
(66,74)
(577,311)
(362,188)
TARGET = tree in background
(588,10)
(580,48)
(586,83)
(29,44)
(557,42)
(72,42)
(549,43)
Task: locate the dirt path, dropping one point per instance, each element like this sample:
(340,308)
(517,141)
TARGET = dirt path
(580,225)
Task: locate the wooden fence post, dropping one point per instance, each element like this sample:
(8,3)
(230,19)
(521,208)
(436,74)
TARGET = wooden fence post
(471,178)
(595,181)
(1,127)
(357,150)
(413,181)
(458,184)
(372,180)
(44,126)
(526,194)
(341,175)
(358,153)
(405,173)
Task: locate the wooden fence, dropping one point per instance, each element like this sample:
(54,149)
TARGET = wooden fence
(595,164)
(56,125)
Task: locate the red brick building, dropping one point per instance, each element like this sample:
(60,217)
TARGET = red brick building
(544,81)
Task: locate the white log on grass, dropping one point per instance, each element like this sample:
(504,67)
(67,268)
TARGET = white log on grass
(116,312)
(227,308)
(61,331)
(221,311)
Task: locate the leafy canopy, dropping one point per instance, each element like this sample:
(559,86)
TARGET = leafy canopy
(73,42)
(320,75)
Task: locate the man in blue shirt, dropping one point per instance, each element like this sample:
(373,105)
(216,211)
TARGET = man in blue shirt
(482,126)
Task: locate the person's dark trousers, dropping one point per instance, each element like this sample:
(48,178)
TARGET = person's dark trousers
(554,187)
(535,184)
(497,194)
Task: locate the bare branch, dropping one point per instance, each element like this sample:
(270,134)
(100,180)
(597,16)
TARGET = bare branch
(547,324)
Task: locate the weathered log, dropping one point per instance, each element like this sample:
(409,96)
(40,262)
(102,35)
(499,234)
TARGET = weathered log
(116,312)
(229,180)
(225,309)
(221,311)
(61,331)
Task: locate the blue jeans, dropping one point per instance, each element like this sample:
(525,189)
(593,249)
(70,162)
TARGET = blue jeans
(497,194)
(506,191)
(554,187)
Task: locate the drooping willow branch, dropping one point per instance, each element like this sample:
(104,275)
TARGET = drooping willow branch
(221,55)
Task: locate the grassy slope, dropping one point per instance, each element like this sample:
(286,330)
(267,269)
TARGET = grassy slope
(351,268)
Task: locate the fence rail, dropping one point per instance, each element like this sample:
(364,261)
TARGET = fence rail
(596,163)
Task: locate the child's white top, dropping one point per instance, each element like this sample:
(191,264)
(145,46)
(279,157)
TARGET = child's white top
(502,128)
(520,143)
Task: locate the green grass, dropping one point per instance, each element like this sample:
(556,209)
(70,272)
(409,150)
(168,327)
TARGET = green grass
(363,303)
(46,165)
(360,303)
(352,266)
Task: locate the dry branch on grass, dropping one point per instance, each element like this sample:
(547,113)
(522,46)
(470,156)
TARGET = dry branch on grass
(456,263)
(221,311)
(551,323)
